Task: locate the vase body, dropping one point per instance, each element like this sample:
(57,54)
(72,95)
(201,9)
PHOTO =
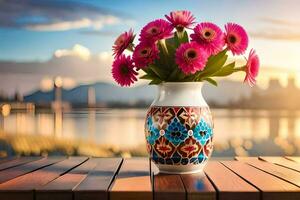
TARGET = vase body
(179,128)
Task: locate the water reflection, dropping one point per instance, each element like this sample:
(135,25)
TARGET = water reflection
(237,132)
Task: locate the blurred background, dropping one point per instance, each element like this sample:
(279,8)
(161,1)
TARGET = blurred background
(57,95)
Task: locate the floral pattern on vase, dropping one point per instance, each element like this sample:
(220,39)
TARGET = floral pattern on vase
(179,135)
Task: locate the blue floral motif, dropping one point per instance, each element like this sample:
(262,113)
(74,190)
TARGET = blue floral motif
(176,132)
(202,132)
(154,132)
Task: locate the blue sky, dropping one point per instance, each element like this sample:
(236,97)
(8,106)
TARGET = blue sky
(32,31)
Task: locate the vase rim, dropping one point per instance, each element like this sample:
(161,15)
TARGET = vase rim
(182,83)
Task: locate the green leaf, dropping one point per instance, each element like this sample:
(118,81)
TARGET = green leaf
(176,75)
(212,81)
(215,58)
(159,71)
(226,70)
(171,53)
(214,64)
(180,37)
(148,77)
(155,82)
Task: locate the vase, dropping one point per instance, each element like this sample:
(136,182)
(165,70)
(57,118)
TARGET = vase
(179,128)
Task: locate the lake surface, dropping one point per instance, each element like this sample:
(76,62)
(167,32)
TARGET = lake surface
(236,132)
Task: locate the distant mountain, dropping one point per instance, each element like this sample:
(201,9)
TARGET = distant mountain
(226,92)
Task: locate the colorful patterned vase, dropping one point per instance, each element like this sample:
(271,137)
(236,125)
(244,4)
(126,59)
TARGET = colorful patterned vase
(179,128)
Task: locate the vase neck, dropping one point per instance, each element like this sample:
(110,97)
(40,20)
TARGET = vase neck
(180,94)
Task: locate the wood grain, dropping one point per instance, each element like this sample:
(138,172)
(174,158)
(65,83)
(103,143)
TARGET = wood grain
(167,186)
(18,188)
(282,162)
(294,158)
(245,158)
(272,188)
(17,162)
(20,170)
(6,159)
(132,181)
(229,185)
(276,170)
(96,184)
(61,188)
(198,186)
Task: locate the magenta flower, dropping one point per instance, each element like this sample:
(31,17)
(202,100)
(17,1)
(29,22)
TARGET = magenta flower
(144,54)
(181,19)
(236,38)
(209,36)
(123,42)
(252,68)
(156,30)
(190,57)
(123,71)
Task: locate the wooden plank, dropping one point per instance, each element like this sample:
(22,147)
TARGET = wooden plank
(282,162)
(23,186)
(198,186)
(61,188)
(276,170)
(245,158)
(167,186)
(20,170)
(294,158)
(6,159)
(17,162)
(229,185)
(132,181)
(272,188)
(96,184)
(20,187)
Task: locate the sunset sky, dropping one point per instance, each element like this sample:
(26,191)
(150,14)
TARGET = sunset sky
(43,39)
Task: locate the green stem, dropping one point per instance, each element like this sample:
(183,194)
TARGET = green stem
(237,69)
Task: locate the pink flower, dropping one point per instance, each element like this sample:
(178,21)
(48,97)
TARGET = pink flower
(156,30)
(123,42)
(209,36)
(190,57)
(144,54)
(123,71)
(181,19)
(252,68)
(236,38)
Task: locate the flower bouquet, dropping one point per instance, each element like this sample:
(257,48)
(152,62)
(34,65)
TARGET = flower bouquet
(179,54)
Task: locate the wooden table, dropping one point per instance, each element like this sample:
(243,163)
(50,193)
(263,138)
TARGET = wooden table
(55,178)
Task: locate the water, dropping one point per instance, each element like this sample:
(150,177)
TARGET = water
(236,132)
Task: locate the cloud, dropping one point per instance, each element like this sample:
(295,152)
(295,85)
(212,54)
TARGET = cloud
(277,29)
(54,15)
(276,35)
(279,22)
(75,65)
(100,33)
(78,50)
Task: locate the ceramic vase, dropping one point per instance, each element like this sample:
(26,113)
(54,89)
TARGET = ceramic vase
(179,128)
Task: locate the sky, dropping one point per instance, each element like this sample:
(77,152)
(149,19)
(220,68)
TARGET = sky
(42,39)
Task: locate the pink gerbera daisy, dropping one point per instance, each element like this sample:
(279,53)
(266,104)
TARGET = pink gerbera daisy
(236,38)
(252,68)
(123,42)
(123,71)
(209,36)
(181,19)
(156,30)
(144,54)
(190,57)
